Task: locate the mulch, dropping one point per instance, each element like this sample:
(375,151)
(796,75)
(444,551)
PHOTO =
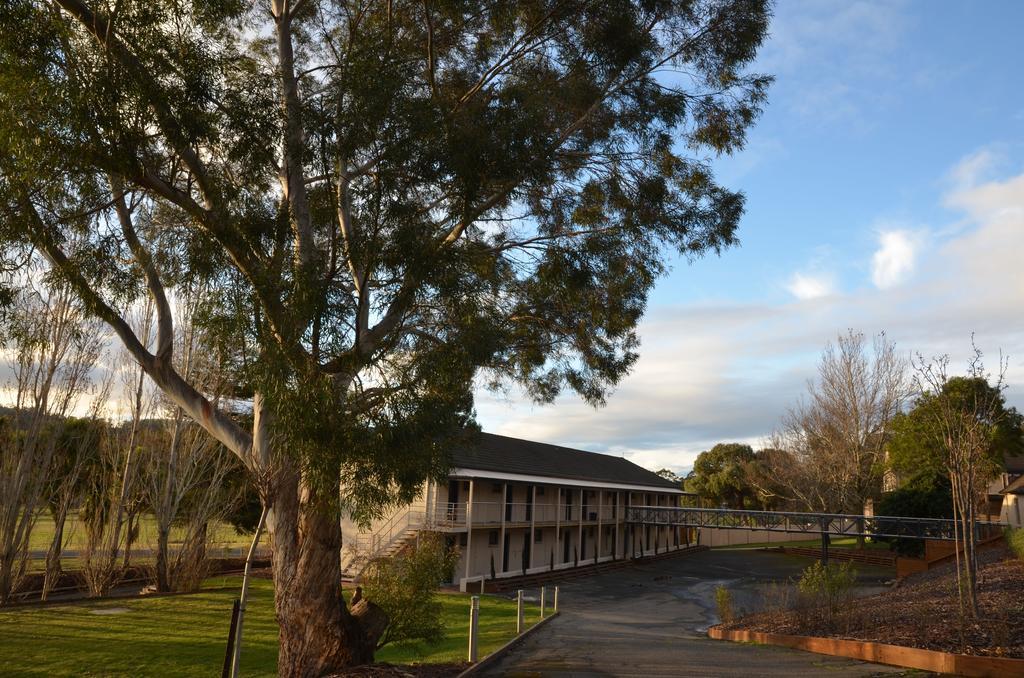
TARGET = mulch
(923,611)
(403,671)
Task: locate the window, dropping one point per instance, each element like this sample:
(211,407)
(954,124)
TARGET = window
(492,538)
(538,536)
(540,490)
(463,539)
(497,488)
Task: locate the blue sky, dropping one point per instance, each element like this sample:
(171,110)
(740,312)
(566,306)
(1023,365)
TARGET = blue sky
(885,192)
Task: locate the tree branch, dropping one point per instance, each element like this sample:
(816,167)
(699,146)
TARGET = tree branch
(293,181)
(180,392)
(165,322)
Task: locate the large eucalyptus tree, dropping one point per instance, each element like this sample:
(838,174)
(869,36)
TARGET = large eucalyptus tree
(396,201)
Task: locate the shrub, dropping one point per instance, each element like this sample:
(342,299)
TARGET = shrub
(827,588)
(1015,538)
(723,599)
(405,587)
(776,600)
(925,495)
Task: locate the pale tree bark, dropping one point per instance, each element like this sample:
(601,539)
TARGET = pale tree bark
(184,471)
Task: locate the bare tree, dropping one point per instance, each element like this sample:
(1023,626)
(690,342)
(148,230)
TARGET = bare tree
(113,498)
(52,348)
(962,417)
(836,438)
(77,446)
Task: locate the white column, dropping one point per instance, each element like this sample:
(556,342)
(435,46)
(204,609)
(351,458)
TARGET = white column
(533,527)
(558,522)
(501,537)
(469,527)
(579,537)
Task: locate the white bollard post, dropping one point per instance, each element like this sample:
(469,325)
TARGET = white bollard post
(474,622)
(542,592)
(519,611)
(554,608)
(482,580)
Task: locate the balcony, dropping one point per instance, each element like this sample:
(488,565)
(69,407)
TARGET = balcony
(453,515)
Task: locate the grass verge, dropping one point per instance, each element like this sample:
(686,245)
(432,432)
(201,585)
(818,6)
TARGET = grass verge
(185,635)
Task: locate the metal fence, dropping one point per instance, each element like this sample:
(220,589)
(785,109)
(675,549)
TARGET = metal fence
(805,523)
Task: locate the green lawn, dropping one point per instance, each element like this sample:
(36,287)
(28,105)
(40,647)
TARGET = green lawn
(838,542)
(185,635)
(220,534)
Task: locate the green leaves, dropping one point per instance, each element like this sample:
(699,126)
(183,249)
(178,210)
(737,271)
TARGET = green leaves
(488,191)
(921,437)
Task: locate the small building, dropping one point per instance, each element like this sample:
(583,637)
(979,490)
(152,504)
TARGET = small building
(517,507)
(1006,493)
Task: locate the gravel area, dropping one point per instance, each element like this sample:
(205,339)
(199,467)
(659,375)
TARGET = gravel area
(923,611)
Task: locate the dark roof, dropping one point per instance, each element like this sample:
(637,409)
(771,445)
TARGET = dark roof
(513,455)
(1014,464)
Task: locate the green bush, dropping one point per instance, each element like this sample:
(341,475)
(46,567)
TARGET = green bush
(1015,538)
(723,599)
(827,588)
(925,495)
(405,587)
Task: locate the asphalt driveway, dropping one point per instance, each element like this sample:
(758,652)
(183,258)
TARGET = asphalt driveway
(650,620)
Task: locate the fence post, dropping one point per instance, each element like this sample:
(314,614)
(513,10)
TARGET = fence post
(244,598)
(554,607)
(474,621)
(542,592)
(519,611)
(229,655)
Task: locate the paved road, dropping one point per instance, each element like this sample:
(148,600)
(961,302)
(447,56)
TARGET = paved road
(649,620)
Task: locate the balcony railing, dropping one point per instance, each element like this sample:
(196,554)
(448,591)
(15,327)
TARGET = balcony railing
(453,515)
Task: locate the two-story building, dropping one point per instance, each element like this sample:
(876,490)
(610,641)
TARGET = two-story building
(518,507)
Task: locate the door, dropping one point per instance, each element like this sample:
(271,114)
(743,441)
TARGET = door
(565,545)
(504,551)
(583,544)
(453,498)
(529,503)
(509,491)
(527,543)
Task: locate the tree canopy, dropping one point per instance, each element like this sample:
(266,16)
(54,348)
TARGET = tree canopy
(721,476)
(917,443)
(392,201)
(389,197)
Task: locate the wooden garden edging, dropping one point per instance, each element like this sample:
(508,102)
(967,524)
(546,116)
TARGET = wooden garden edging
(896,655)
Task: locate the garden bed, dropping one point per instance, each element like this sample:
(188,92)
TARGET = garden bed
(921,612)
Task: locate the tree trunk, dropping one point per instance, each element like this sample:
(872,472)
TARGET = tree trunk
(318,634)
(53,569)
(129,538)
(163,580)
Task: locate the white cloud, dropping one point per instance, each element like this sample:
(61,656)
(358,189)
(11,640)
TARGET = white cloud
(806,286)
(728,372)
(894,260)
(973,168)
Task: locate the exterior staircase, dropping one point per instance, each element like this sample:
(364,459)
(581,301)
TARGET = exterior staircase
(384,542)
